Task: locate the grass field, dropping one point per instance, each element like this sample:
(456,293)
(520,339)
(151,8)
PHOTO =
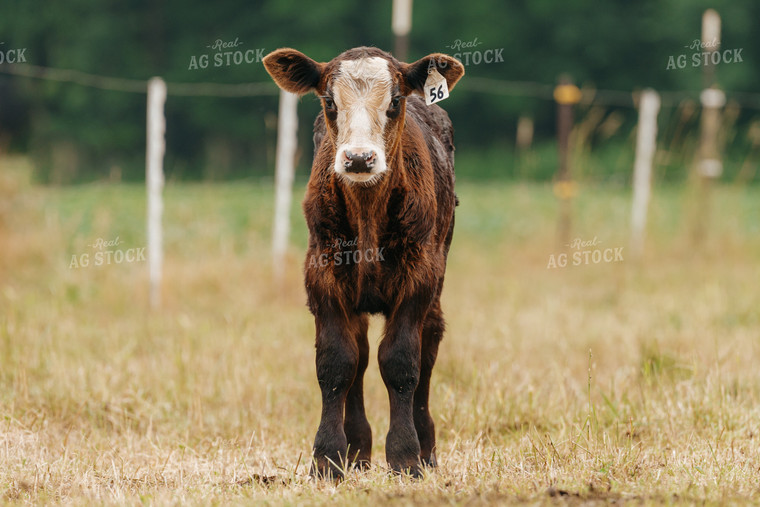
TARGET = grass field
(618,381)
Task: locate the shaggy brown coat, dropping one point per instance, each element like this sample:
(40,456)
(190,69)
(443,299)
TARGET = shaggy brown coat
(402,226)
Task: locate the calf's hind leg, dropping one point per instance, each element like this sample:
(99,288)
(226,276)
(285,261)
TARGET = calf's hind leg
(432,332)
(355,424)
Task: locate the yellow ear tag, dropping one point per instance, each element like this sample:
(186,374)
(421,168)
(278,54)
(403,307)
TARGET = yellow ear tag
(436,88)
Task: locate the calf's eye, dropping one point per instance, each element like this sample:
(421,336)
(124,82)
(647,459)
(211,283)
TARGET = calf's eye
(329,103)
(395,102)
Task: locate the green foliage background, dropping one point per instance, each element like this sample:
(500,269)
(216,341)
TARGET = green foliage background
(76,133)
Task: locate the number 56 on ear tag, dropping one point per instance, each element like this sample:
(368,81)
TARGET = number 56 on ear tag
(436,88)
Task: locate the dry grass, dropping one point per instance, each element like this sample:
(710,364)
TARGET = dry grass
(597,383)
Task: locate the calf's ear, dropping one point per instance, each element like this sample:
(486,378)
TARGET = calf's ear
(293,71)
(416,73)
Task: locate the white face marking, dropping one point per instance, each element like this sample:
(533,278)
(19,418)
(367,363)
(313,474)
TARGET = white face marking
(362,94)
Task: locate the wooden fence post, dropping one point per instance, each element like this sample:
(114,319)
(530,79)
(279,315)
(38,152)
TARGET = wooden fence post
(154,178)
(646,146)
(709,164)
(287,127)
(566,94)
(710,44)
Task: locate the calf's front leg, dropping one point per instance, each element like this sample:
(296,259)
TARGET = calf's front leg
(337,361)
(399,358)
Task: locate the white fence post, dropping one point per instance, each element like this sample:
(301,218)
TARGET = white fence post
(287,126)
(646,145)
(154,179)
(401,25)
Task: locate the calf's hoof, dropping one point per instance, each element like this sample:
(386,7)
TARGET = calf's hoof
(363,464)
(329,455)
(414,471)
(402,451)
(430,461)
(326,469)
(360,459)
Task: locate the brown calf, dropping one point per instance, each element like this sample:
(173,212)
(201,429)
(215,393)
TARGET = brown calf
(380,211)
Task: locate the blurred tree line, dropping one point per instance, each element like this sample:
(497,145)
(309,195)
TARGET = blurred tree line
(77,133)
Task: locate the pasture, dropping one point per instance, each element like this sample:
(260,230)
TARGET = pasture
(609,381)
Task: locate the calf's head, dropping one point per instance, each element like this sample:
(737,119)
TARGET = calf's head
(363,94)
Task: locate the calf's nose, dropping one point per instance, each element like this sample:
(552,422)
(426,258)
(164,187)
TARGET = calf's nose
(359,162)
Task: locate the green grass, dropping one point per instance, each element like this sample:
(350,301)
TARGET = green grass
(621,381)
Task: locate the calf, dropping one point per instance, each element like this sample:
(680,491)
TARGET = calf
(382,187)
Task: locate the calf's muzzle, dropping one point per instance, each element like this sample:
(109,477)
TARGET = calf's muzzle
(359,162)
